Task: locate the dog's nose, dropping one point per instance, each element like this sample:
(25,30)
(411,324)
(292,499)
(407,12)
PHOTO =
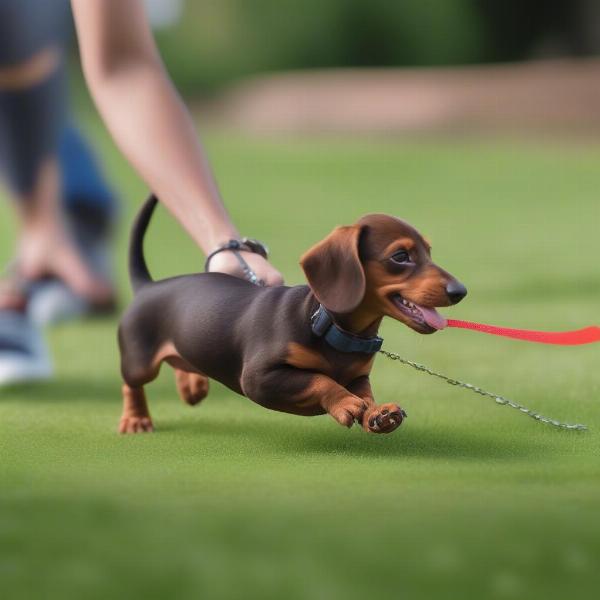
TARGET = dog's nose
(456,291)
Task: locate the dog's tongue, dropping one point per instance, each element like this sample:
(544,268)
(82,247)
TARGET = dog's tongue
(433,318)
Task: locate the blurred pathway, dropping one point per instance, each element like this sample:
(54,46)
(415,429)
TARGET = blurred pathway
(554,96)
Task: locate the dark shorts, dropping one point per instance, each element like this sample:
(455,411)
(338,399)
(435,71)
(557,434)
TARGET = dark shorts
(31,119)
(28,26)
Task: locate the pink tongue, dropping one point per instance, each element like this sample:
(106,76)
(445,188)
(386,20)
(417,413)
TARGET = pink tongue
(433,318)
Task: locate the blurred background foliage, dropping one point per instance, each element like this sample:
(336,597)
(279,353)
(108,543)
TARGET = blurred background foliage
(217,41)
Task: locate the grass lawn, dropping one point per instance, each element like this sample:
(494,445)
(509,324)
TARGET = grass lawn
(466,500)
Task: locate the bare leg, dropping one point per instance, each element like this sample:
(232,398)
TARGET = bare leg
(44,246)
(136,416)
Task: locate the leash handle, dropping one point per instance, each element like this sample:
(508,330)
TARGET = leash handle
(587,335)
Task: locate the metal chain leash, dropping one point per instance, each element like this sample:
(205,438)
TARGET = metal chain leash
(499,399)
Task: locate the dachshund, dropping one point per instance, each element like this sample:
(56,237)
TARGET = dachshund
(306,350)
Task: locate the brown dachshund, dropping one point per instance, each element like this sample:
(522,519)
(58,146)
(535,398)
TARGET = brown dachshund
(305,350)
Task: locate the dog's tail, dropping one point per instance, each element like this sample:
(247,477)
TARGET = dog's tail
(138,269)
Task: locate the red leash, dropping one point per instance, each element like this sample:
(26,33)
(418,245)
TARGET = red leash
(587,335)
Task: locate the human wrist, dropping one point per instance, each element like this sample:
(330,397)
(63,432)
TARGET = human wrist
(221,238)
(237,245)
(217,231)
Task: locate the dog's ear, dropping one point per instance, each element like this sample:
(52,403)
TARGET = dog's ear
(334,270)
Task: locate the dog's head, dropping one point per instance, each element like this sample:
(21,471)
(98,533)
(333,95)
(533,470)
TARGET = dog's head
(381,266)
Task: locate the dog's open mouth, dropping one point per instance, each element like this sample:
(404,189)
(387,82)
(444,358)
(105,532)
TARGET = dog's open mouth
(424,320)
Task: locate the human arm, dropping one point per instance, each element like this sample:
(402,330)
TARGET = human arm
(148,121)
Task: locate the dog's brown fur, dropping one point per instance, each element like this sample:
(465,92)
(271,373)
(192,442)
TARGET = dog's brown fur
(258,341)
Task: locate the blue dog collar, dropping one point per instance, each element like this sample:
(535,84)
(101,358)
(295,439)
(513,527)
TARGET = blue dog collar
(322,325)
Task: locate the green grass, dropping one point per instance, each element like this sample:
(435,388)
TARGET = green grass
(466,500)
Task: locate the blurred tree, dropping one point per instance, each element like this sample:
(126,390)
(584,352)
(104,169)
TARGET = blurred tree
(220,40)
(517,29)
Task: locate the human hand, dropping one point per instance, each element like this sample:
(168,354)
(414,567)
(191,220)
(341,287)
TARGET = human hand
(226,262)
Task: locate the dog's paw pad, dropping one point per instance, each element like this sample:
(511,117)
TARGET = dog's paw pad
(385,420)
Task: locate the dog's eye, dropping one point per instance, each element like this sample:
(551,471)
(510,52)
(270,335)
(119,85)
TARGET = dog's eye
(401,256)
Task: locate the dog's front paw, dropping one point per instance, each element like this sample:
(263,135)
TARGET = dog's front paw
(383,418)
(348,410)
(129,424)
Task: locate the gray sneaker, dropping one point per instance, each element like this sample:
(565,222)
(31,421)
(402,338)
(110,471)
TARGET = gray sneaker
(24,355)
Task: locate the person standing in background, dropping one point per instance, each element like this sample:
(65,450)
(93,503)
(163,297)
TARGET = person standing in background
(64,207)
(149,123)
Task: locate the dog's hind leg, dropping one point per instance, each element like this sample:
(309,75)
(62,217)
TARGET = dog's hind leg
(139,365)
(136,417)
(192,386)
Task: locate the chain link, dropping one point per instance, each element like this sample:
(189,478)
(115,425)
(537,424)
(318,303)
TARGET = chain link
(499,399)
